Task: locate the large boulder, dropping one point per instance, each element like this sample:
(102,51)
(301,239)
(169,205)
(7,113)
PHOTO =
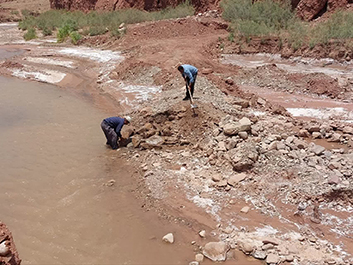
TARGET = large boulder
(308,9)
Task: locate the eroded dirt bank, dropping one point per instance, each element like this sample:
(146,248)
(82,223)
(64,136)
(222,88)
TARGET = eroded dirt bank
(267,183)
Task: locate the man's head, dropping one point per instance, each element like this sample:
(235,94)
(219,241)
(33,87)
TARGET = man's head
(127,119)
(181,69)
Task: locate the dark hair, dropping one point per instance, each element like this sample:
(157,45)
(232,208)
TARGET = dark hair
(180,68)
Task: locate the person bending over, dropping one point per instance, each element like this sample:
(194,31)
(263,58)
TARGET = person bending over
(112,129)
(189,73)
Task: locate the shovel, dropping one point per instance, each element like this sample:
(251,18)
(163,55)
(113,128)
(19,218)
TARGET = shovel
(193,105)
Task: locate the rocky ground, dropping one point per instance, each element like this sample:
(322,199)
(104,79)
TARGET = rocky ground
(8,252)
(278,188)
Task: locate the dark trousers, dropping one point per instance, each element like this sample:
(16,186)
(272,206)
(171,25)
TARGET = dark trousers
(192,85)
(110,134)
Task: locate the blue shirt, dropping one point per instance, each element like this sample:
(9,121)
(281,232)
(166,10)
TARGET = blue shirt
(190,72)
(117,123)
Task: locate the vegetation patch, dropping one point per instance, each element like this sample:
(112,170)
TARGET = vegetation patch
(96,23)
(273,18)
(30,34)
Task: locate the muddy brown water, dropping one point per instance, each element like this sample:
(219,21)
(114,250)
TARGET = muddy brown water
(54,170)
(53,165)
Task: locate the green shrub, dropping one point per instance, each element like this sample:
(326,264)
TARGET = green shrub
(338,26)
(261,18)
(75,37)
(47,32)
(30,34)
(98,30)
(297,34)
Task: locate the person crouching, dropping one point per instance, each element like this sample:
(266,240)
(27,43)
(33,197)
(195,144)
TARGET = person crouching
(112,129)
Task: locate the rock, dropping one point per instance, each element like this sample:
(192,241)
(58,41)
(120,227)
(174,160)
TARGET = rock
(202,233)
(314,128)
(299,143)
(245,124)
(246,246)
(4,249)
(317,149)
(273,145)
(217,177)
(280,146)
(334,180)
(222,183)
(348,130)
(245,209)
(269,240)
(241,102)
(199,257)
(216,251)
(243,135)
(304,133)
(258,254)
(289,139)
(231,128)
(169,238)
(234,179)
(222,146)
(194,263)
(154,141)
(261,101)
(272,258)
(316,135)
(206,71)
(136,140)
(267,246)
(230,144)
(334,165)
(110,183)
(336,138)
(126,132)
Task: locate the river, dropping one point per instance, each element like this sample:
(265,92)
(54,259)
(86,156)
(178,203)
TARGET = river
(54,164)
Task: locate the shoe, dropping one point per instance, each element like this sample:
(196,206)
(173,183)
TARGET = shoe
(186,98)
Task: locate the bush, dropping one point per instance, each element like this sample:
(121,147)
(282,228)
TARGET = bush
(338,26)
(261,18)
(75,37)
(47,32)
(98,30)
(30,34)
